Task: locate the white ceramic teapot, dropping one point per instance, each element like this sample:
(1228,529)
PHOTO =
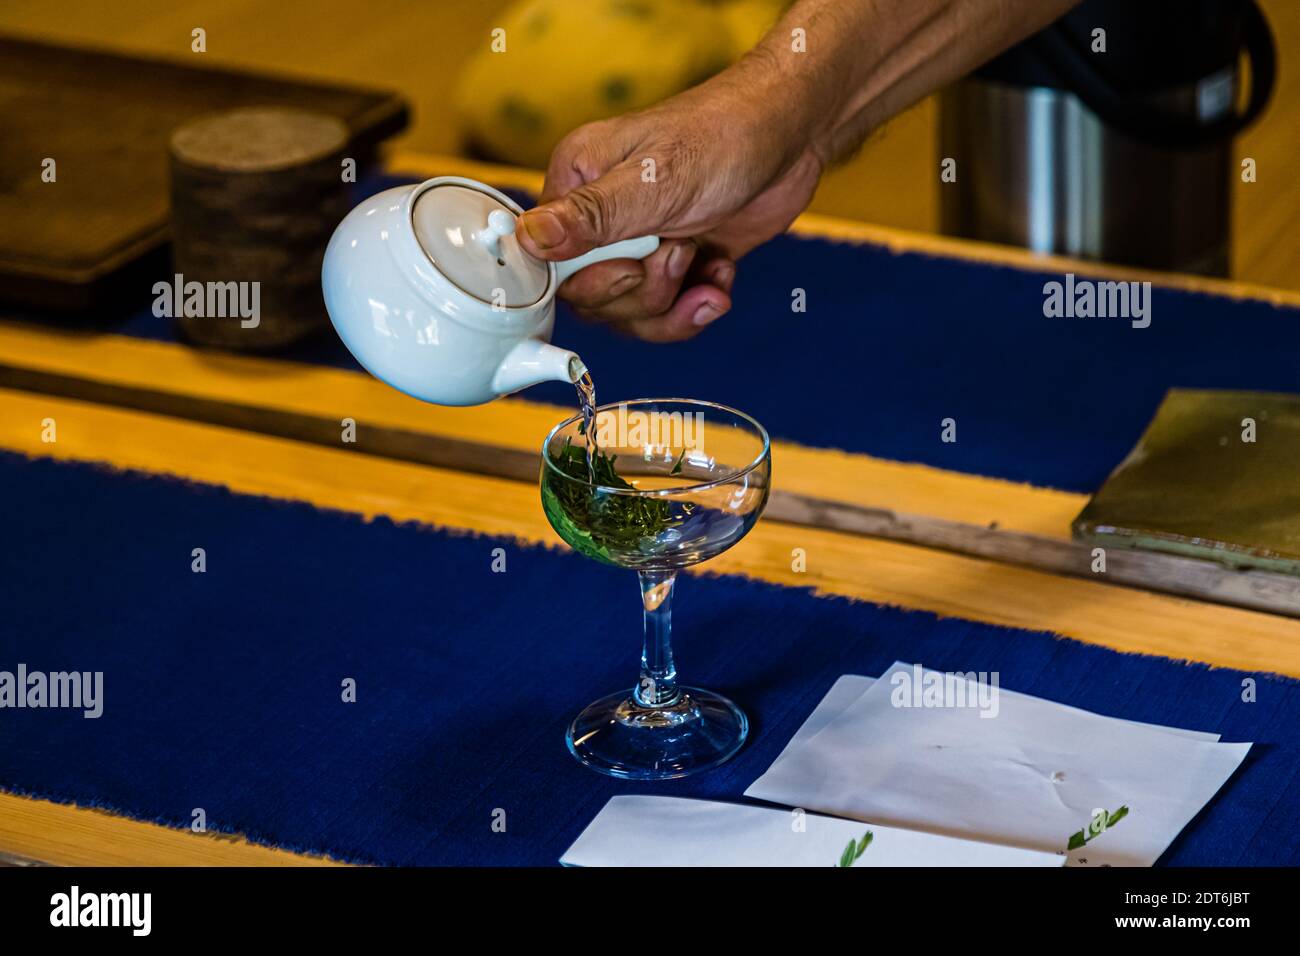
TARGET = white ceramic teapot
(429,289)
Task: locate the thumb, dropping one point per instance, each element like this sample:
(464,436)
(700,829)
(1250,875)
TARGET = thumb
(618,205)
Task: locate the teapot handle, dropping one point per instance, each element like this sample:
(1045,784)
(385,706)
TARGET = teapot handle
(637,248)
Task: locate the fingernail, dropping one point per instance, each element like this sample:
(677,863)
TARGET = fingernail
(723,276)
(626,283)
(679,260)
(543,227)
(706,314)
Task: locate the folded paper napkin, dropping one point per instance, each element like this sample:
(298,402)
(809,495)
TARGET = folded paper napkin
(949,755)
(673,831)
(1212,477)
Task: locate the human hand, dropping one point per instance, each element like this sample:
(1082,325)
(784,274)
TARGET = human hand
(714,172)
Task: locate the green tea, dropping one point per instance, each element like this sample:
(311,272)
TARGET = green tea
(599,522)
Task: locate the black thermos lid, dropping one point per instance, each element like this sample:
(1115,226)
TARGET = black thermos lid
(1150,44)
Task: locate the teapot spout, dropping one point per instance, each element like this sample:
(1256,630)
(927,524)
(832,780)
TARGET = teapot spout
(533,361)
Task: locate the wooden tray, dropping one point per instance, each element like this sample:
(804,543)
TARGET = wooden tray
(101,228)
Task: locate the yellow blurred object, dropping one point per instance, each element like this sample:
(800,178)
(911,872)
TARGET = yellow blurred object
(562,63)
(748,20)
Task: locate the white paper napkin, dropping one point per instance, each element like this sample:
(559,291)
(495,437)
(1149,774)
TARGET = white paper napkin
(849,687)
(1031,776)
(673,831)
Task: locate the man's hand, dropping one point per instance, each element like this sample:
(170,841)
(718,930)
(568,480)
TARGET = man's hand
(736,158)
(711,171)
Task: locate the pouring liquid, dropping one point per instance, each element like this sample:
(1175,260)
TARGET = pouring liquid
(587,403)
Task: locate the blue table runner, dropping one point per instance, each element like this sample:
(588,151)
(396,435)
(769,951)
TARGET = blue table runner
(223,690)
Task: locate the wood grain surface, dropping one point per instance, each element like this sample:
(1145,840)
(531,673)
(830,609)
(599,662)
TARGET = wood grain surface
(893,181)
(105,121)
(63,834)
(415,442)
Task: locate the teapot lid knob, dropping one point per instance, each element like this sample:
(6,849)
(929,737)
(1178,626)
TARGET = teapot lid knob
(499,225)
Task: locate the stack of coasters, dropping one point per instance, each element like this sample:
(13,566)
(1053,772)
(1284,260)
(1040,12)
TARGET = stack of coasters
(1213,477)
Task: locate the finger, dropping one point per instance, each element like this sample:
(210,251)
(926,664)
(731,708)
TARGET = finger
(597,285)
(583,156)
(719,271)
(662,279)
(695,309)
(617,205)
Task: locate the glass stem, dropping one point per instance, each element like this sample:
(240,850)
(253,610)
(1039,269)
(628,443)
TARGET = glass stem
(658,684)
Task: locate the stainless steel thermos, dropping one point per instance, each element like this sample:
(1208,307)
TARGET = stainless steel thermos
(1113,145)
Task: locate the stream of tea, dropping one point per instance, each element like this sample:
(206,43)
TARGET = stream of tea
(587,403)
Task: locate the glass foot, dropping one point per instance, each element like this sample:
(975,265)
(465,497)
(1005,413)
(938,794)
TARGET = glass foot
(622,738)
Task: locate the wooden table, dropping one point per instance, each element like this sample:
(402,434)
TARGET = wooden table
(270,427)
(893,180)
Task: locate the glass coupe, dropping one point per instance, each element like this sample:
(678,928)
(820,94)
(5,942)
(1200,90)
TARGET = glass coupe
(676,482)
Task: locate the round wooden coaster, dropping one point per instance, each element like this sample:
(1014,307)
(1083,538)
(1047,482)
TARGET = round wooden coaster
(258,140)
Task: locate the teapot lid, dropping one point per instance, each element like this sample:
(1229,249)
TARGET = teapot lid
(469,236)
